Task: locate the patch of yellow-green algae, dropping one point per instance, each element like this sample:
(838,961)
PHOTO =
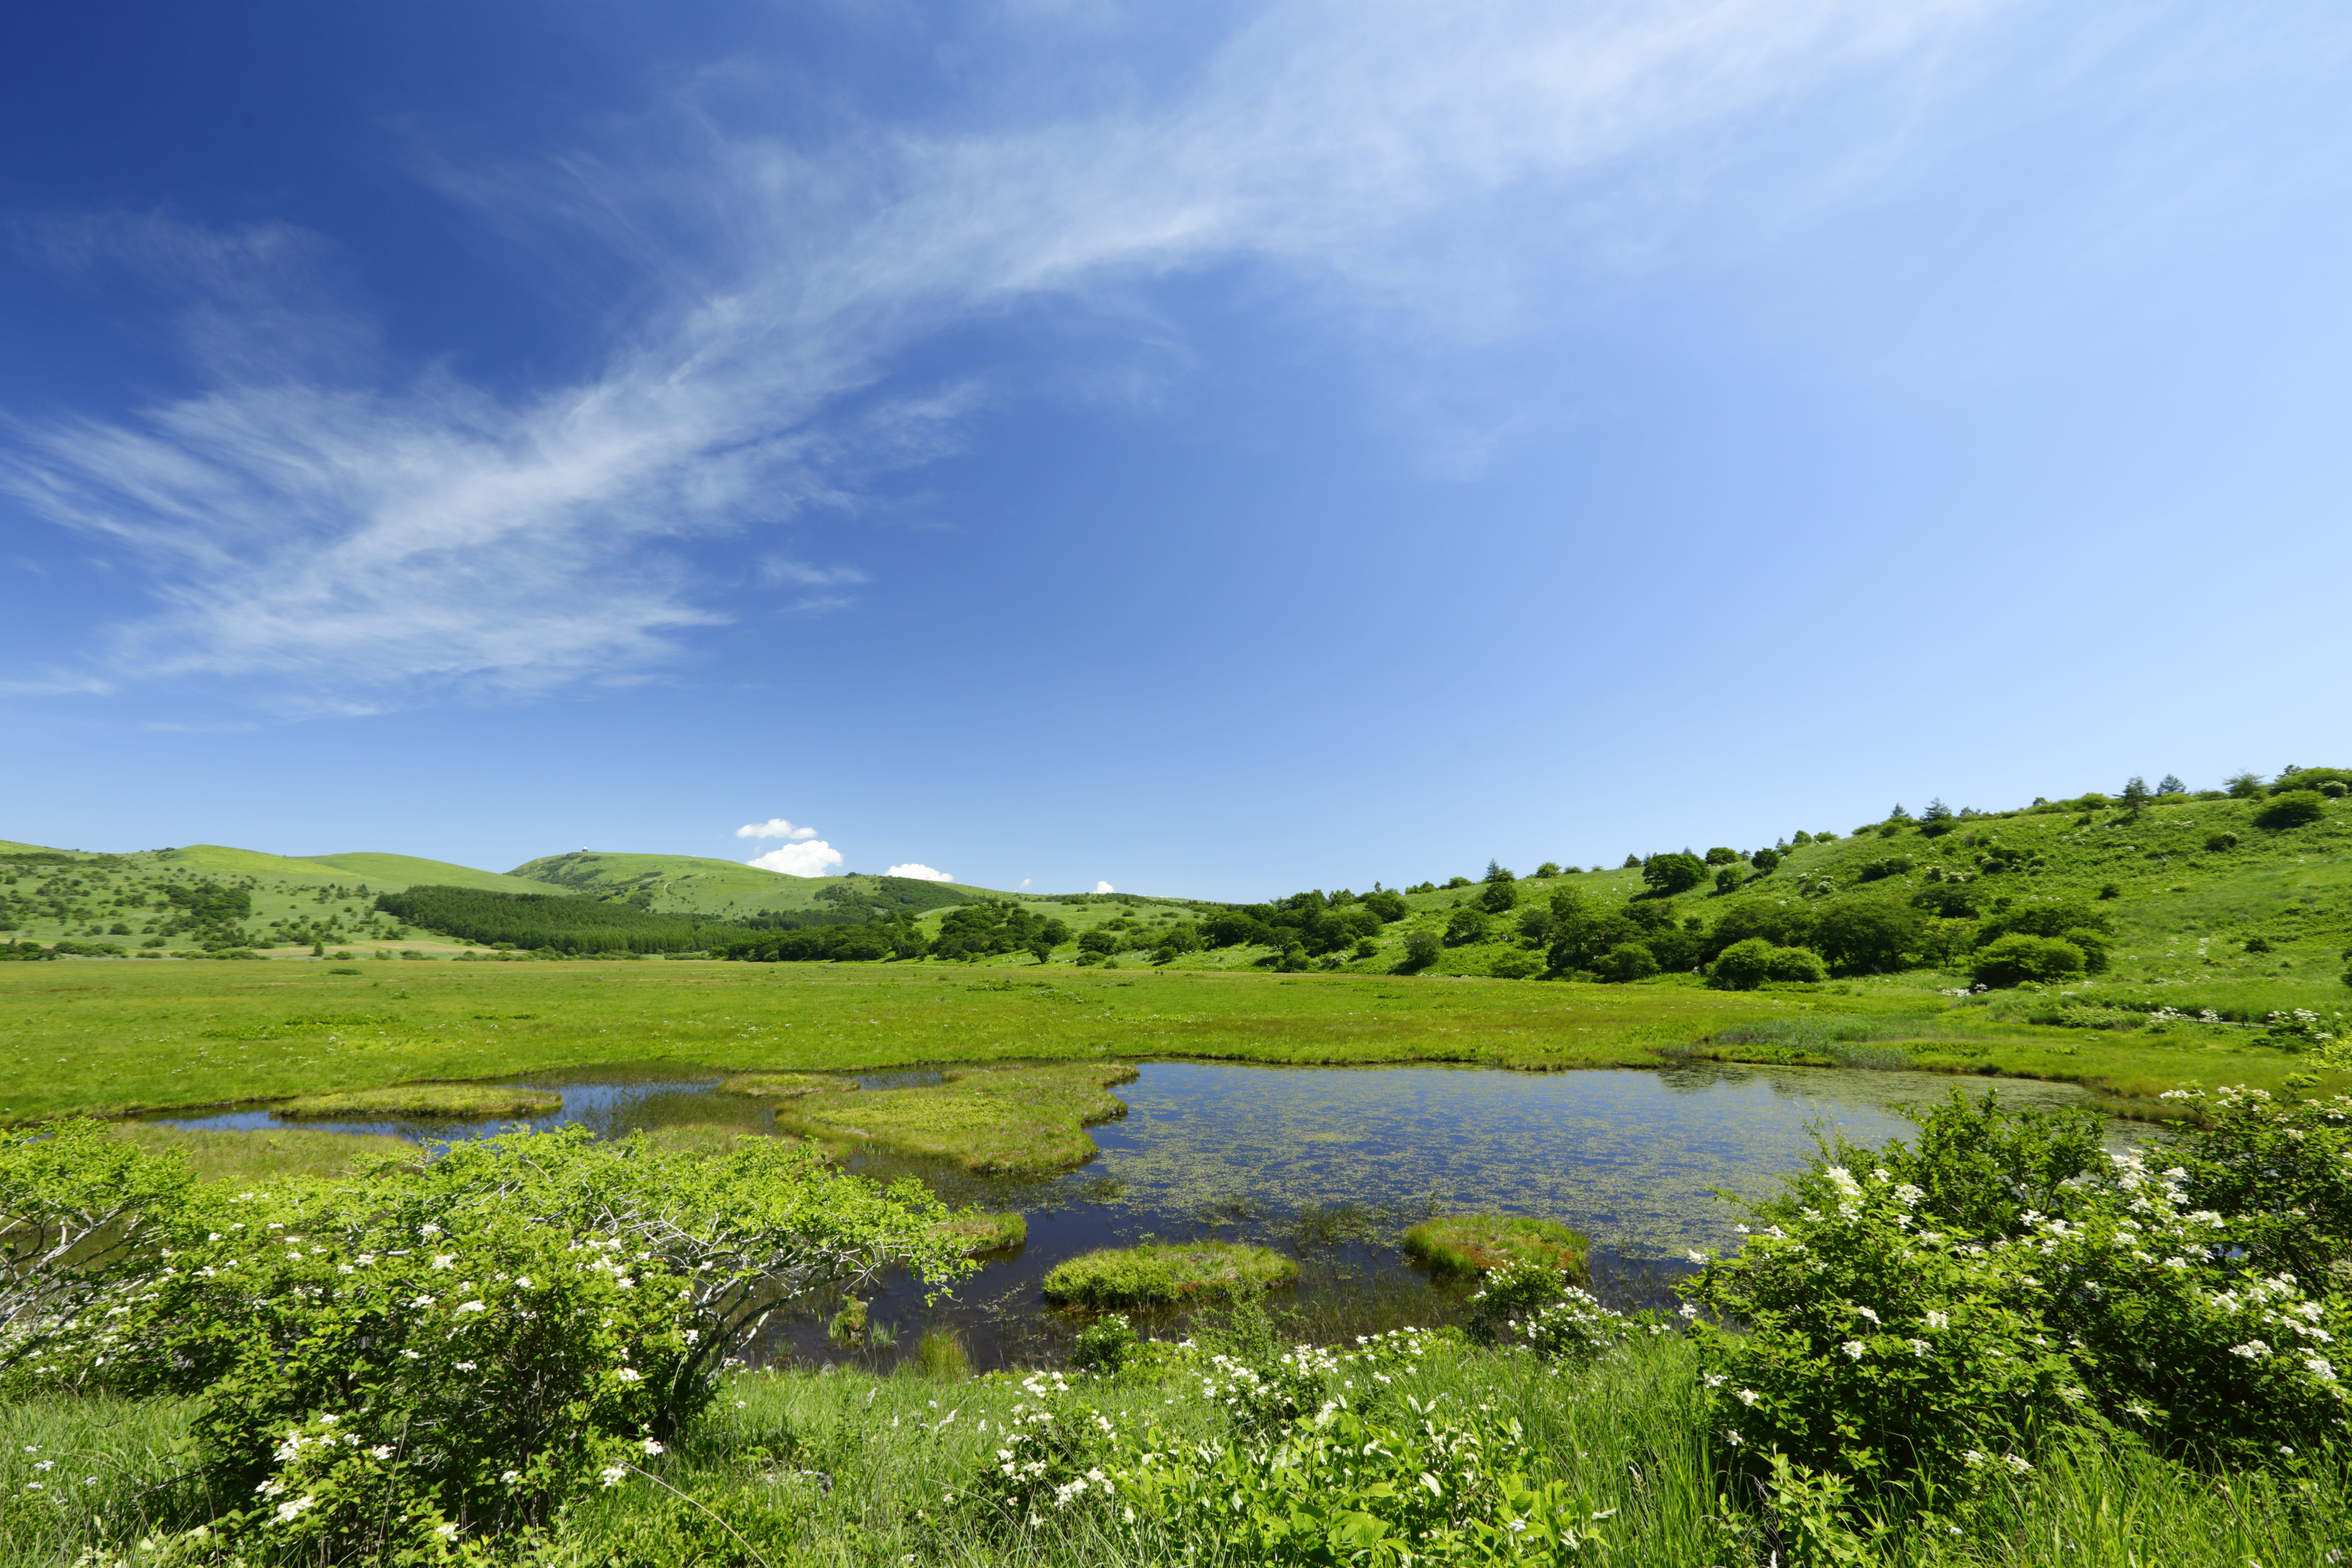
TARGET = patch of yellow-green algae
(1011,1119)
(981,1233)
(425,1099)
(1471,1243)
(1166,1274)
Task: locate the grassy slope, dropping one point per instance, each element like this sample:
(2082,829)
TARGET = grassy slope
(281,887)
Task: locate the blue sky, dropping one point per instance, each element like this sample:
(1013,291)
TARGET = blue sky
(1214,450)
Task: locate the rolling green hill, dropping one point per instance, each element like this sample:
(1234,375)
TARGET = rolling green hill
(692,885)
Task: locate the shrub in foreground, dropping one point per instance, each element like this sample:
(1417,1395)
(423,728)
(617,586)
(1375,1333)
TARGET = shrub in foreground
(425,1353)
(2297,808)
(1930,1315)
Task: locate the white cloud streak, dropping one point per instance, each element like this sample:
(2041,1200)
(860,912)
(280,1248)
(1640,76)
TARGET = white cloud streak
(1105,888)
(919,871)
(774,828)
(312,523)
(813,858)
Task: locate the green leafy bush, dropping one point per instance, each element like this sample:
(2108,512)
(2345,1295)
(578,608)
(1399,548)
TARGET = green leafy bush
(1742,966)
(1626,962)
(1467,925)
(464,1346)
(1516,966)
(2297,808)
(2023,960)
(1799,965)
(1422,947)
(1104,1346)
(1932,1311)
(2222,841)
(1671,873)
(1868,932)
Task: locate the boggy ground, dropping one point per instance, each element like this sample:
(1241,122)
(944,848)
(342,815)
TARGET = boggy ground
(108,1036)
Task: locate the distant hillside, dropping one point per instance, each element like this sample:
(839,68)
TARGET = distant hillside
(688,884)
(385,872)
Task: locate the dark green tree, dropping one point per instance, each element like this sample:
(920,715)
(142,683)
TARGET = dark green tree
(2136,795)
(2170,784)
(1727,880)
(1719,856)
(1671,873)
(1868,932)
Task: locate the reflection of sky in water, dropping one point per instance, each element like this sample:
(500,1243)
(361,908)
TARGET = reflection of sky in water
(1631,1158)
(1634,1159)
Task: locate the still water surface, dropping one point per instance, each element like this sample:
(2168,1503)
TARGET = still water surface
(1639,1161)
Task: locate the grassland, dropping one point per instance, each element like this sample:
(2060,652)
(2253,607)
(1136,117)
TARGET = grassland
(108,1036)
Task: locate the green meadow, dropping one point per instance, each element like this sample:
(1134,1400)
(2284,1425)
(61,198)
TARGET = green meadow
(108,1036)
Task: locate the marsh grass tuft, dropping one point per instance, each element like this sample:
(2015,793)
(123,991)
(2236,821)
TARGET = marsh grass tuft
(785,1085)
(981,1234)
(941,1354)
(453,1101)
(994,1119)
(264,1154)
(1458,1246)
(1164,1274)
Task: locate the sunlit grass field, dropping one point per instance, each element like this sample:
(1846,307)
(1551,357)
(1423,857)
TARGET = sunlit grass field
(107,1036)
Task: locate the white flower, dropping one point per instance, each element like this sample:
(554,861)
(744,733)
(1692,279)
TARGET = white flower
(473,1306)
(2253,1350)
(464,1367)
(1713,1380)
(445,1532)
(445,1259)
(380,1451)
(1855,1348)
(509,1477)
(1745,1396)
(2017,1465)
(652,1446)
(1687,1311)
(1695,1255)
(287,1512)
(1937,1320)
(1867,1313)
(629,1375)
(614,1474)
(428,1230)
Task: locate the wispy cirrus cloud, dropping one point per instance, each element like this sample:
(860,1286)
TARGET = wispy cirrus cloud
(317,520)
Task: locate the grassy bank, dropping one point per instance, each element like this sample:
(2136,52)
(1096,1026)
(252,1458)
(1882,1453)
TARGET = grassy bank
(846,1470)
(103,1036)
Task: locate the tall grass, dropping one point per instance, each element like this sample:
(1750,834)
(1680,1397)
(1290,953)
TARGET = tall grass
(842,1468)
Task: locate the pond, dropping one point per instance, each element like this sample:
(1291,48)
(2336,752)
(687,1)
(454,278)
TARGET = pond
(1333,1162)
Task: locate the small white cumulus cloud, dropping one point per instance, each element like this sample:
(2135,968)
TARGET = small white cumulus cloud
(1024,882)
(919,871)
(774,828)
(1105,888)
(812,859)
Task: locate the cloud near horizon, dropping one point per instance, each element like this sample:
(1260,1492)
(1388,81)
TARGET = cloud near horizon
(813,858)
(919,871)
(1105,888)
(316,516)
(774,828)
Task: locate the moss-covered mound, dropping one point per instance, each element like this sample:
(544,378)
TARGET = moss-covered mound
(1464,1243)
(468,1101)
(1164,1275)
(785,1085)
(1020,1119)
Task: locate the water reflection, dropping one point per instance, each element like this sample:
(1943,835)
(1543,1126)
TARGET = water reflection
(1332,1162)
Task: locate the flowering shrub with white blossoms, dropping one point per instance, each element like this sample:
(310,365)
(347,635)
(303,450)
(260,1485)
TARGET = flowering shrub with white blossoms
(1442,1484)
(1932,1311)
(467,1344)
(1530,1306)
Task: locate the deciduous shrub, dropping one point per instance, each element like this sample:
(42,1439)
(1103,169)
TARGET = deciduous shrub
(1422,947)
(2020,959)
(1929,1311)
(1626,962)
(2222,841)
(1868,932)
(1672,874)
(464,1345)
(1742,966)
(1797,964)
(1467,925)
(2295,808)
